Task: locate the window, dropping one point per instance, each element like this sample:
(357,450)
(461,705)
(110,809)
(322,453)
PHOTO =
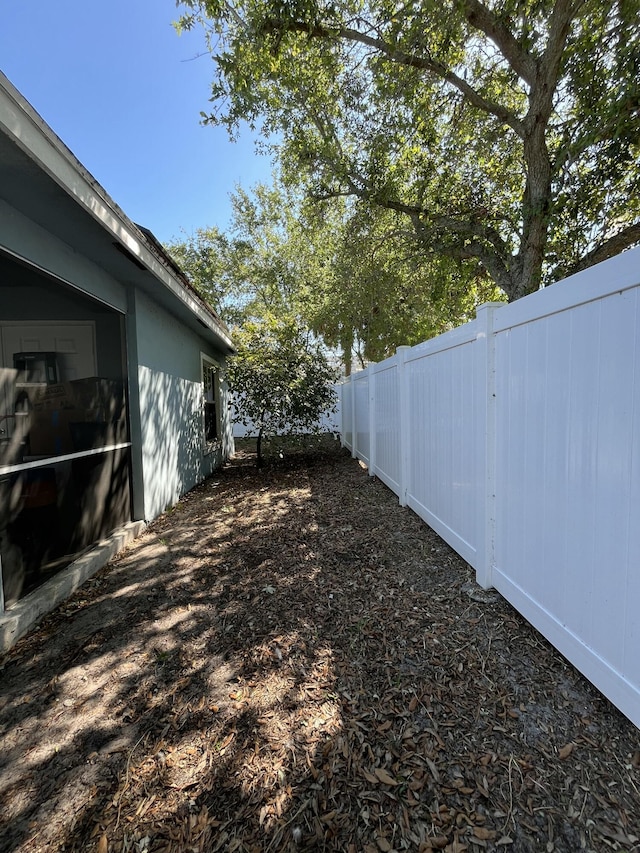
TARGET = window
(211,396)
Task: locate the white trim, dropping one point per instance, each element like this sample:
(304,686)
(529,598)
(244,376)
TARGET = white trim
(67,457)
(204,356)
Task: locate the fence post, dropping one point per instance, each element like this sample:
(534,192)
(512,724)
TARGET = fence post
(486,378)
(403,417)
(340,411)
(372,420)
(354,429)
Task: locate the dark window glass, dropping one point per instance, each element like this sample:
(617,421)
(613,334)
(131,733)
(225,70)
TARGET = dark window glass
(210,391)
(50,515)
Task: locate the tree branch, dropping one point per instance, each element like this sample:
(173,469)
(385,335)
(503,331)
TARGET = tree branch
(401,57)
(475,230)
(473,248)
(624,239)
(474,235)
(483,19)
(427,63)
(549,65)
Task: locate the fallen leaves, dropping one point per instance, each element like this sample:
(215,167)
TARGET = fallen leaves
(483,833)
(334,688)
(384,777)
(379,775)
(565,751)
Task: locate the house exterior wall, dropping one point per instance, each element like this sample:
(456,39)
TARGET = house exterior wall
(78,277)
(170,404)
(27,239)
(164,364)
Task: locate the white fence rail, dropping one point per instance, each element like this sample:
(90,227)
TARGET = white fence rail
(517,438)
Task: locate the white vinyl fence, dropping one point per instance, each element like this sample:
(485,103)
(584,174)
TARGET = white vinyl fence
(517,438)
(328,422)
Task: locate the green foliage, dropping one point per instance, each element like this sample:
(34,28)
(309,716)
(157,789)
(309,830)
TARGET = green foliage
(263,259)
(505,131)
(210,258)
(252,269)
(198,256)
(370,288)
(280,378)
(352,272)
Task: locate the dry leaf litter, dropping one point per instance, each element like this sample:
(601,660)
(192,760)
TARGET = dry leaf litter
(290,661)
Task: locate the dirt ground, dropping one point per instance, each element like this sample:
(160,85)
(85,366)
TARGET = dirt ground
(287,661)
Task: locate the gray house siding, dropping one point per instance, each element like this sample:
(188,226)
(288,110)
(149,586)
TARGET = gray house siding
(170,404)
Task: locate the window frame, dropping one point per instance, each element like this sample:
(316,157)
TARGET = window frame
(213,367)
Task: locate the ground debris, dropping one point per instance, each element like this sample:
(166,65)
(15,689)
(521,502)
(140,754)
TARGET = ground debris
(289,661)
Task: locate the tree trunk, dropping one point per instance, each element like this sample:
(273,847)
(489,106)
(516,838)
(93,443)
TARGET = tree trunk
(536,207)
(346,343)
(259,459)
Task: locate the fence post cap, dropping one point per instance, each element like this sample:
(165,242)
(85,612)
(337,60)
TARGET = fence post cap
(488,306)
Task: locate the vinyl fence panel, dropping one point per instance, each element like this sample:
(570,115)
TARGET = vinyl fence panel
(361,425)
(346,411)
(443,485)
(386,424)
(567,545)
(517,438)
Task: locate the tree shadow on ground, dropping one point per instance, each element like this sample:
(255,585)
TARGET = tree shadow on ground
(289,660)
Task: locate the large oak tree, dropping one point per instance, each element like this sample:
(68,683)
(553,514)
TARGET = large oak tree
(507,130)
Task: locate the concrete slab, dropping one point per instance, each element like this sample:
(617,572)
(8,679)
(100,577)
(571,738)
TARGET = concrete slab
(16,622)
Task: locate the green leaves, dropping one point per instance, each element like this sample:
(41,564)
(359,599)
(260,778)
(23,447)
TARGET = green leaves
(375,290)
(505,132)
(352,272)
(280,378)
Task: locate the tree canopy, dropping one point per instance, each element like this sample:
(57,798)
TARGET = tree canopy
(369,289)
(350,272)
(245,271)
(507,131)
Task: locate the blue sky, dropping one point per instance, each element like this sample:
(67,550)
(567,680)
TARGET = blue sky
(124,92)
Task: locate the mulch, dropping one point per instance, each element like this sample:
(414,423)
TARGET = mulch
(290,661)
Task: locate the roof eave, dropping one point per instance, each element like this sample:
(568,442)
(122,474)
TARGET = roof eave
(31,133)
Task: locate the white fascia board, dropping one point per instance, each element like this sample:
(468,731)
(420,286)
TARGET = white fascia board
(33,135)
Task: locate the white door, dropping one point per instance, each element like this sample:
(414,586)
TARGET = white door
(75,344)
